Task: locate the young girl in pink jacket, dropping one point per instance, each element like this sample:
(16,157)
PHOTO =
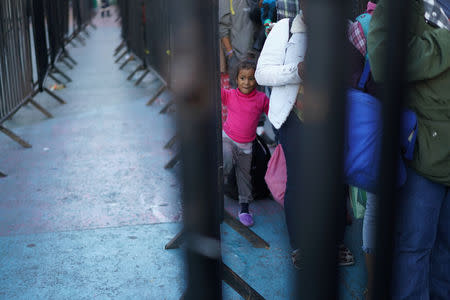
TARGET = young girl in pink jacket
(245,105)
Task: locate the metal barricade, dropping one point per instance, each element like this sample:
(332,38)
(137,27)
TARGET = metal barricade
(50,25)
(16,82)
(152,46)
(40,41)
(136,34)
(159,43)
(57,12)
(198,119)
(82,14)
(320,162)
(16,68)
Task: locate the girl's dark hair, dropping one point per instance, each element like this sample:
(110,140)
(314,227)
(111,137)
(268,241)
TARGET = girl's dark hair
(244,65)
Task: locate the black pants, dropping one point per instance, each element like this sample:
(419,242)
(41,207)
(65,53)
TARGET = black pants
(291,141)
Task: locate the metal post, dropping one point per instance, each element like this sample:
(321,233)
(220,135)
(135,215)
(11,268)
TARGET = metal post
(171,142)
(172,162)
(14,137)
(61,59)
(67,55)
(54,78)
(56,97)
(120,47)
(167,106)
(393,95)
(121,56)
(142,77)
(197,100)
(139,68)
(319,166)
(158,93)
(80,39)
(126,62)
(40,108)
(57,70)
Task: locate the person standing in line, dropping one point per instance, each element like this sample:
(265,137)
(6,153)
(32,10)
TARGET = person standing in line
(236,32)
(281,66)
(421,254)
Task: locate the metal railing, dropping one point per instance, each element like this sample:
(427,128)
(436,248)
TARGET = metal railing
(49,35)
(16,82)
(193,25)
(152,47)
(83,11)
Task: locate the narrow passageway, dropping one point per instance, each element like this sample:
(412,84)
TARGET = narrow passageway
(75,209)
(86,212)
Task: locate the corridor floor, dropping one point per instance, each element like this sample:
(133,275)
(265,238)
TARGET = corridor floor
(86,212)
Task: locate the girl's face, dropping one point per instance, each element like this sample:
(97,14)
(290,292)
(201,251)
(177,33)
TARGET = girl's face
(246,81)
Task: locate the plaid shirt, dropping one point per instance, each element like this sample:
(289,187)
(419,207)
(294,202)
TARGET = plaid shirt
(434,14)
(287,9)
(356,36)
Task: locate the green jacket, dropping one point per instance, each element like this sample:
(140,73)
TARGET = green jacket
(428,73)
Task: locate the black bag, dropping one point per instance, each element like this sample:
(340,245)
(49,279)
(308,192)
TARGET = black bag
(260,159)
(261,156)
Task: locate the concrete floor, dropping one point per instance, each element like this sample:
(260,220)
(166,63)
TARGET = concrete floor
(86,212)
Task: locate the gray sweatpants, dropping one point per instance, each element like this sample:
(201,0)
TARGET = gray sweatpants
(238,160)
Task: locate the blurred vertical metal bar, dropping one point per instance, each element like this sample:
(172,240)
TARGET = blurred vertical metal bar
(320,204)
(393,95)
(195,84)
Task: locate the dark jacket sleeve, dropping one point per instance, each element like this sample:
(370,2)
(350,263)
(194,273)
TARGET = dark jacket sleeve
(428,51)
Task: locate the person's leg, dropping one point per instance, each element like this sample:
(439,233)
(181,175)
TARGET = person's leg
(244,184)
(369,224)
(227,146)
(417,217)
(345,256)
(288,138)
(369,236)
(243,177)
(440,256)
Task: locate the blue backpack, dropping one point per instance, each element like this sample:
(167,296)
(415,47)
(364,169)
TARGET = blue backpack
(362,153)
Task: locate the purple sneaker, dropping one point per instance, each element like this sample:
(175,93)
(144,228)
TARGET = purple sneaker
(246,219)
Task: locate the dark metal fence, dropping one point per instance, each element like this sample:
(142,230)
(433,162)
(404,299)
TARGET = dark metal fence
(40,41)
(50,30)
(159,43)
(200,133)
(146,32)
(193,25)
(57,12)
(136,36)
(83,13)
(16,82)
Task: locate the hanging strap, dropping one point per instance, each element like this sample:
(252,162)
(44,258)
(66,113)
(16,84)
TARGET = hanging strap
(231,8)
(364,76)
